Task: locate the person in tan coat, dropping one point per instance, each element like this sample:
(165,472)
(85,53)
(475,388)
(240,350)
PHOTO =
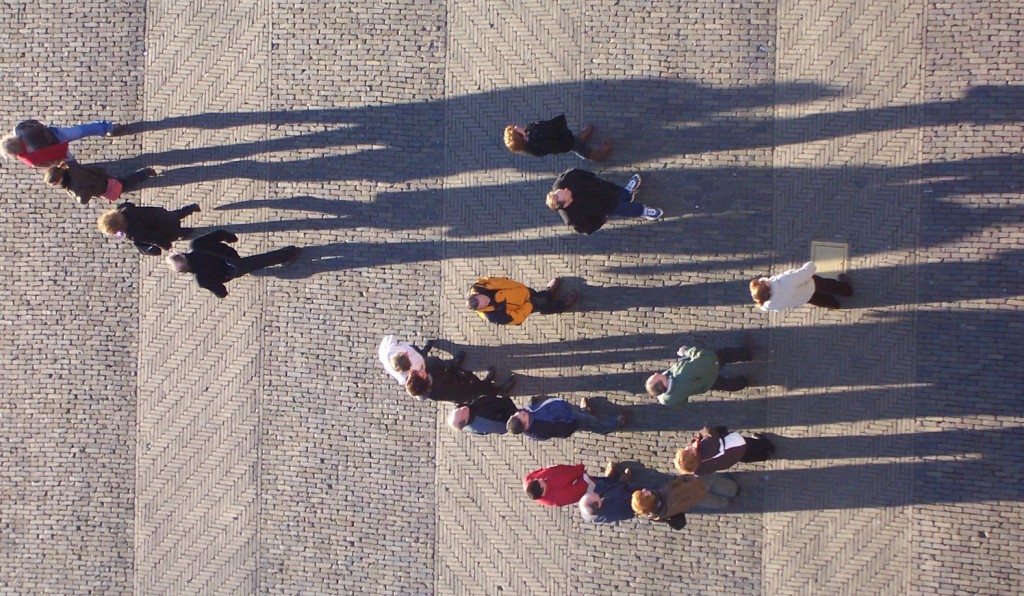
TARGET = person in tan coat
(672,500)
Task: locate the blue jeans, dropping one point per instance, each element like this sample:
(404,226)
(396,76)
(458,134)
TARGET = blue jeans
(626,209)
(593,424)
(73,133)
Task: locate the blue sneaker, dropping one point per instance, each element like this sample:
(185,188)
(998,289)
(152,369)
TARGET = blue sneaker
(633,185)
(652,213)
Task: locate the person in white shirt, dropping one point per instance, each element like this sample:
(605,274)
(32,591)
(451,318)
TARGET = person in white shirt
(400,358)
(797,287)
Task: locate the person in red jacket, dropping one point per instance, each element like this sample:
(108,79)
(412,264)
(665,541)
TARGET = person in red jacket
(38,145)
(558,485)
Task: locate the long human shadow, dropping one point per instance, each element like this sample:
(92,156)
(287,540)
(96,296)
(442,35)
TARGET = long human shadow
(679,117)
(731,203)
(888,484)
(924,444)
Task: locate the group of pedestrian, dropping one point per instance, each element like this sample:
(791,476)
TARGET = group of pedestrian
(585,203)
(152,229)
(483,406)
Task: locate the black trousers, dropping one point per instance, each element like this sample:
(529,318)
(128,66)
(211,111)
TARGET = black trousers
(728,356)
(183,212)
(544,303)
(758,449)
(134,180)
(826,289)
(262,261)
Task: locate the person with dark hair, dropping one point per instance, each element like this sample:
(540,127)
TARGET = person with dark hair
(609,500)
(557,485)
(586,202)
(400,358)
(214,263)
(714,449)
(503,301)
(448,381)
(485,415)
(555,417)
(152,229)
(548,137)
(83,183)
(695,372)
(797,287)
(37,145)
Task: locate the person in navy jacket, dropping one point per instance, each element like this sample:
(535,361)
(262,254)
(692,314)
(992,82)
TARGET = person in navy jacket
(556,418)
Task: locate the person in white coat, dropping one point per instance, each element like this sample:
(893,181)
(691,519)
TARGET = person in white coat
(797,287)
(401,358)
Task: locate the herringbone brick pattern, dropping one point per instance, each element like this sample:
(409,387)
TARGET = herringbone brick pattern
(829,173)
(200,362)
(511,60)
(271,454)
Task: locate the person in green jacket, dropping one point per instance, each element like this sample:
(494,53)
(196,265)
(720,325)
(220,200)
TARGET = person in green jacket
(695,372)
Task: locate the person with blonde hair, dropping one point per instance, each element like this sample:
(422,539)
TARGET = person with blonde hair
(84,183)
(797,287)
(37,145)
(672,500)
(553,136)
(714,449)
(151,229)
(586,202)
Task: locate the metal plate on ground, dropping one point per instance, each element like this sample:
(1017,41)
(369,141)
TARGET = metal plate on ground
(830,258)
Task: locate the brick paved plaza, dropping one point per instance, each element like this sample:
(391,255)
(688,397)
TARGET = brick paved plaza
(157,440)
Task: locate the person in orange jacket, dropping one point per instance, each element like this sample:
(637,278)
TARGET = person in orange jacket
(503,301)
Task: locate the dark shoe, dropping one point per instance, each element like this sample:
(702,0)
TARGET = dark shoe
(507,387)
(490,374)
(601,153)
(743,382)
(186,233)
(296,251)
(457,361)
(116,131)
(553,286)
(586,133)
(151,173)
(570,300)
(427,347)
(626,475)
(623,420)
(193,208)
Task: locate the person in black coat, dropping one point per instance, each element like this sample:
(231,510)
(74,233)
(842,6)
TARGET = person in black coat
(548,137)
(448,381)
(585,201)
(214,263)
(152,229)
(486,415)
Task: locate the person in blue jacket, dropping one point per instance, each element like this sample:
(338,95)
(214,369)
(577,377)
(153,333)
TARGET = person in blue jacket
(554,417)
(609,500)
